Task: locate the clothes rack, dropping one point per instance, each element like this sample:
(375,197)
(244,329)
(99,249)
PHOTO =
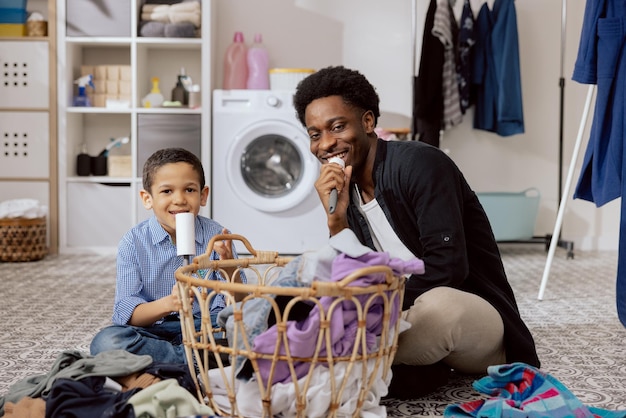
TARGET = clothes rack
(566,191)
(547,239)
(568,245)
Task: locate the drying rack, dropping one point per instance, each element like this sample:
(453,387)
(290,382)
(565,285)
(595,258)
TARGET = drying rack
(548,240)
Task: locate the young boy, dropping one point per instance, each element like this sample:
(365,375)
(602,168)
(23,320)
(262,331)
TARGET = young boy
(145,313)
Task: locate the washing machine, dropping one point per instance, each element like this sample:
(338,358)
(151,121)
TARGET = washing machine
(263,173)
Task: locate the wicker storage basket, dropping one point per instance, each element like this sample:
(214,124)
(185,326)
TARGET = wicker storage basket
(353,375)
(23,239)
(36,28)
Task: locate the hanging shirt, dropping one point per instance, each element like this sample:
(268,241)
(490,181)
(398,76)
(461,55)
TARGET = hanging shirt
(466,42)
(446,30)
(427,97)
(497,70)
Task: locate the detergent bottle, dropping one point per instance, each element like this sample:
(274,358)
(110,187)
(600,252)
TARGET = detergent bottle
(258,65)
(81,99)
(180,92)
(154,98)
(235,65)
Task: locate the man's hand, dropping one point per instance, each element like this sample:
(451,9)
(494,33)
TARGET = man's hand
(332,176)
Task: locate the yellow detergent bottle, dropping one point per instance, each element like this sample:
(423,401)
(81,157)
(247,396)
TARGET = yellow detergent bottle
(154,98)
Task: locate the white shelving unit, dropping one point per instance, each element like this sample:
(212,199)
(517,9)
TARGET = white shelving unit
(95,211)
(28,115)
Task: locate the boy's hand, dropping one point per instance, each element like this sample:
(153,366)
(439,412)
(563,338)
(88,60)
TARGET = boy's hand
(175,299)
(224,248)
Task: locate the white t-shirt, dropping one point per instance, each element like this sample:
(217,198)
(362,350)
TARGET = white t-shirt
(384,237)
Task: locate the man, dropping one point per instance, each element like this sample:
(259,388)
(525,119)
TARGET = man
(411,200)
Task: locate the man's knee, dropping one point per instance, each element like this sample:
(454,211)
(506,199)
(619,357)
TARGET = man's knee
(432,333)
(439,308)
(449,324)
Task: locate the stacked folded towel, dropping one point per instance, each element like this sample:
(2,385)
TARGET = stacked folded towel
(175,13)
(179,20)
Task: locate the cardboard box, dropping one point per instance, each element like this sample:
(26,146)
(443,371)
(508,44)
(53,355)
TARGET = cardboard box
(100,86)
(124,87)
(113,72)
(112,87)
(99,100)
(100,72)
(120,165)
(125,73)
(86,70)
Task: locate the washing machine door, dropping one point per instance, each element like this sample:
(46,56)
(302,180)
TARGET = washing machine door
(269,166)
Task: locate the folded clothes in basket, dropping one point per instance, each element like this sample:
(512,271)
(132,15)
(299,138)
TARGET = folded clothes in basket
(342,256)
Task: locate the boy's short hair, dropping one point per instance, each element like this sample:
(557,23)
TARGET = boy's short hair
(351,85)
(168,156)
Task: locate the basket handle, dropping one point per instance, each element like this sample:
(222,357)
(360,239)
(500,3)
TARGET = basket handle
(532,192)
(232,237)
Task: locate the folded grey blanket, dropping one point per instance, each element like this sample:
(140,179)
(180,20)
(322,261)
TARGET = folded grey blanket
(151,29)
(180,30)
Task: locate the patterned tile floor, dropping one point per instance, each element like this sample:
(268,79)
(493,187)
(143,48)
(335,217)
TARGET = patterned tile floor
(58,303)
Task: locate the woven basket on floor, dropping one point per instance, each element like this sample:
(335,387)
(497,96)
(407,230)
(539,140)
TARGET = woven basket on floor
(23,239)
(354,375)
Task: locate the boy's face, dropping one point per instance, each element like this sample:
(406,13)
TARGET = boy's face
(175,189)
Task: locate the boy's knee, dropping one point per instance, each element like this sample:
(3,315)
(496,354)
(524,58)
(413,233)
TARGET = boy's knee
(110,338)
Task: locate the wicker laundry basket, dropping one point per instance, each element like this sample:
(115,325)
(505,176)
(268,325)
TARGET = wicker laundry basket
(355,375)
(23,239)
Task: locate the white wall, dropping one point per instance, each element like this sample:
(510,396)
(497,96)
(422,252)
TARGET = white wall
(375,37)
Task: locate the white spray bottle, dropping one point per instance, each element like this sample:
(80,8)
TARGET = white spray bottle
(82,100)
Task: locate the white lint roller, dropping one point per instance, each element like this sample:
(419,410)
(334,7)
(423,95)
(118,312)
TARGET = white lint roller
(185,234)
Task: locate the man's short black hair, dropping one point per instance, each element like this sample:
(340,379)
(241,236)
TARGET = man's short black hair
(351,85)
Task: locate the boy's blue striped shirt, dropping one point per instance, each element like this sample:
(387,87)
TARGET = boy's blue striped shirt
(147,260)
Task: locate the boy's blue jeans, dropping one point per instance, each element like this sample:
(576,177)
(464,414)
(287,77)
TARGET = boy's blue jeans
(163,341)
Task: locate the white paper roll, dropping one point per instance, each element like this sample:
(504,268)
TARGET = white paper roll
(185,234)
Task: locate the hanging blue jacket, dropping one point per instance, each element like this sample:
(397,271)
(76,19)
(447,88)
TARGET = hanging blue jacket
(601,60)
(497,70)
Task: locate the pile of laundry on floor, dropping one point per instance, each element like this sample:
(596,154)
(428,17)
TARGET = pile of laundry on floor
(110,384)
(520,390)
